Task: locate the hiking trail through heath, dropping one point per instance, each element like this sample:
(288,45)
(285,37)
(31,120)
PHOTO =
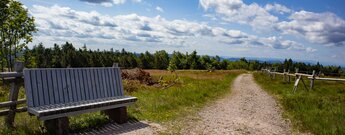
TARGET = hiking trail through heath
(247,110)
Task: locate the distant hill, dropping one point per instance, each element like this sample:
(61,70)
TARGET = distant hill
(280,60)
(269,60)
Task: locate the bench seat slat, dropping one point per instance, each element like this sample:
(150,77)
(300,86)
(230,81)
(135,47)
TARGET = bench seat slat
(79,106)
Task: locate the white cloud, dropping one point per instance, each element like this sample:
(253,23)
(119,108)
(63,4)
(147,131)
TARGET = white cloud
(63,23)
(311,50)
(322,28)
(277,8)
(136,1)
(279,43)
(159,9)
(108,3)
(237,11)
(117,2)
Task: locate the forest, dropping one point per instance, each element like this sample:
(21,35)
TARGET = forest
(66,55)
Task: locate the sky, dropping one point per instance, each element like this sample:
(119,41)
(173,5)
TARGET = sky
(309,30)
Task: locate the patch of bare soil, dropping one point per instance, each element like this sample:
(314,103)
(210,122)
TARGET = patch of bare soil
(248,110)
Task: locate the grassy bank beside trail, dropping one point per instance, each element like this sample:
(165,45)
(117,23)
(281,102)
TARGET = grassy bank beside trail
(320,111)
(191,91)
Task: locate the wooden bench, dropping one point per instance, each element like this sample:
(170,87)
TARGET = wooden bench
(53,94)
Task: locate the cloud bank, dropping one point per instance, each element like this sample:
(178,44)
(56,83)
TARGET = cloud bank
(321,28)
(59,23)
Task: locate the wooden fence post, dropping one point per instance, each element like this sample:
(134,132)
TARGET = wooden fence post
(15,85)
(274,73)
(284,75)
(289,78)
(296,71)
(115,64)
(312,81)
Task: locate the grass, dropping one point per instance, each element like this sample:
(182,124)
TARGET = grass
(193,90)
(320,111)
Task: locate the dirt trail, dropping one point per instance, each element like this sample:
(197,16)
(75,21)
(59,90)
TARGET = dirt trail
(248,110)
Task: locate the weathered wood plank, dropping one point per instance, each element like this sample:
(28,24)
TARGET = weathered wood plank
(73,85)
(100,81)
(28,87)
(85,85)
(303,74)
(34,88)
(81,82)
(64,85)
(103,83)
(10,74)
(93,82)
(120,80)
(107,83)
(50,87)
(69,85)
(45,87)
(327,79)
(90,87)
(55,87)
(40,87)
(80,92)
(111,83)
(116,83)
(10,103)
(7,111)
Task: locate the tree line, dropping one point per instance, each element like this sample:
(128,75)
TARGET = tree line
(66,55)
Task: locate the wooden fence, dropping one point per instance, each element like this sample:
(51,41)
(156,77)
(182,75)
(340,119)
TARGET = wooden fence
(299,77)
(15,79)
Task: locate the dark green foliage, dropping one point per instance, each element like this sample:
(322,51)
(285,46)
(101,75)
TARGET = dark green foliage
(67,55)
(16,28)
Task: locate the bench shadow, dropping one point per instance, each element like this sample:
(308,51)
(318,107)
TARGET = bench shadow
(114,128)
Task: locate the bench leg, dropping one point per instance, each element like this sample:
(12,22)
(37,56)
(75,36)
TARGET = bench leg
(119,115)
(59,126)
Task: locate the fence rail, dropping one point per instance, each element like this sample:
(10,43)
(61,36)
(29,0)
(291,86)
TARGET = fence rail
(15,79)
(299,77)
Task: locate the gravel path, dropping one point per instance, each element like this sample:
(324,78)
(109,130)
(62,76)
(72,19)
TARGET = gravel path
(248,110)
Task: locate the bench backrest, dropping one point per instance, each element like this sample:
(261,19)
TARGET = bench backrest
(48,86)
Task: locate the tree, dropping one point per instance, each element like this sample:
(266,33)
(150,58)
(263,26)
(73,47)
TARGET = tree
(192,60)
(38,52)
(161,59)
(56,58)
(68,55)
(16,29)
(172,66)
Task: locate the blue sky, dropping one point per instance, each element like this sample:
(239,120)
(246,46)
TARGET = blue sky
(301,30)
